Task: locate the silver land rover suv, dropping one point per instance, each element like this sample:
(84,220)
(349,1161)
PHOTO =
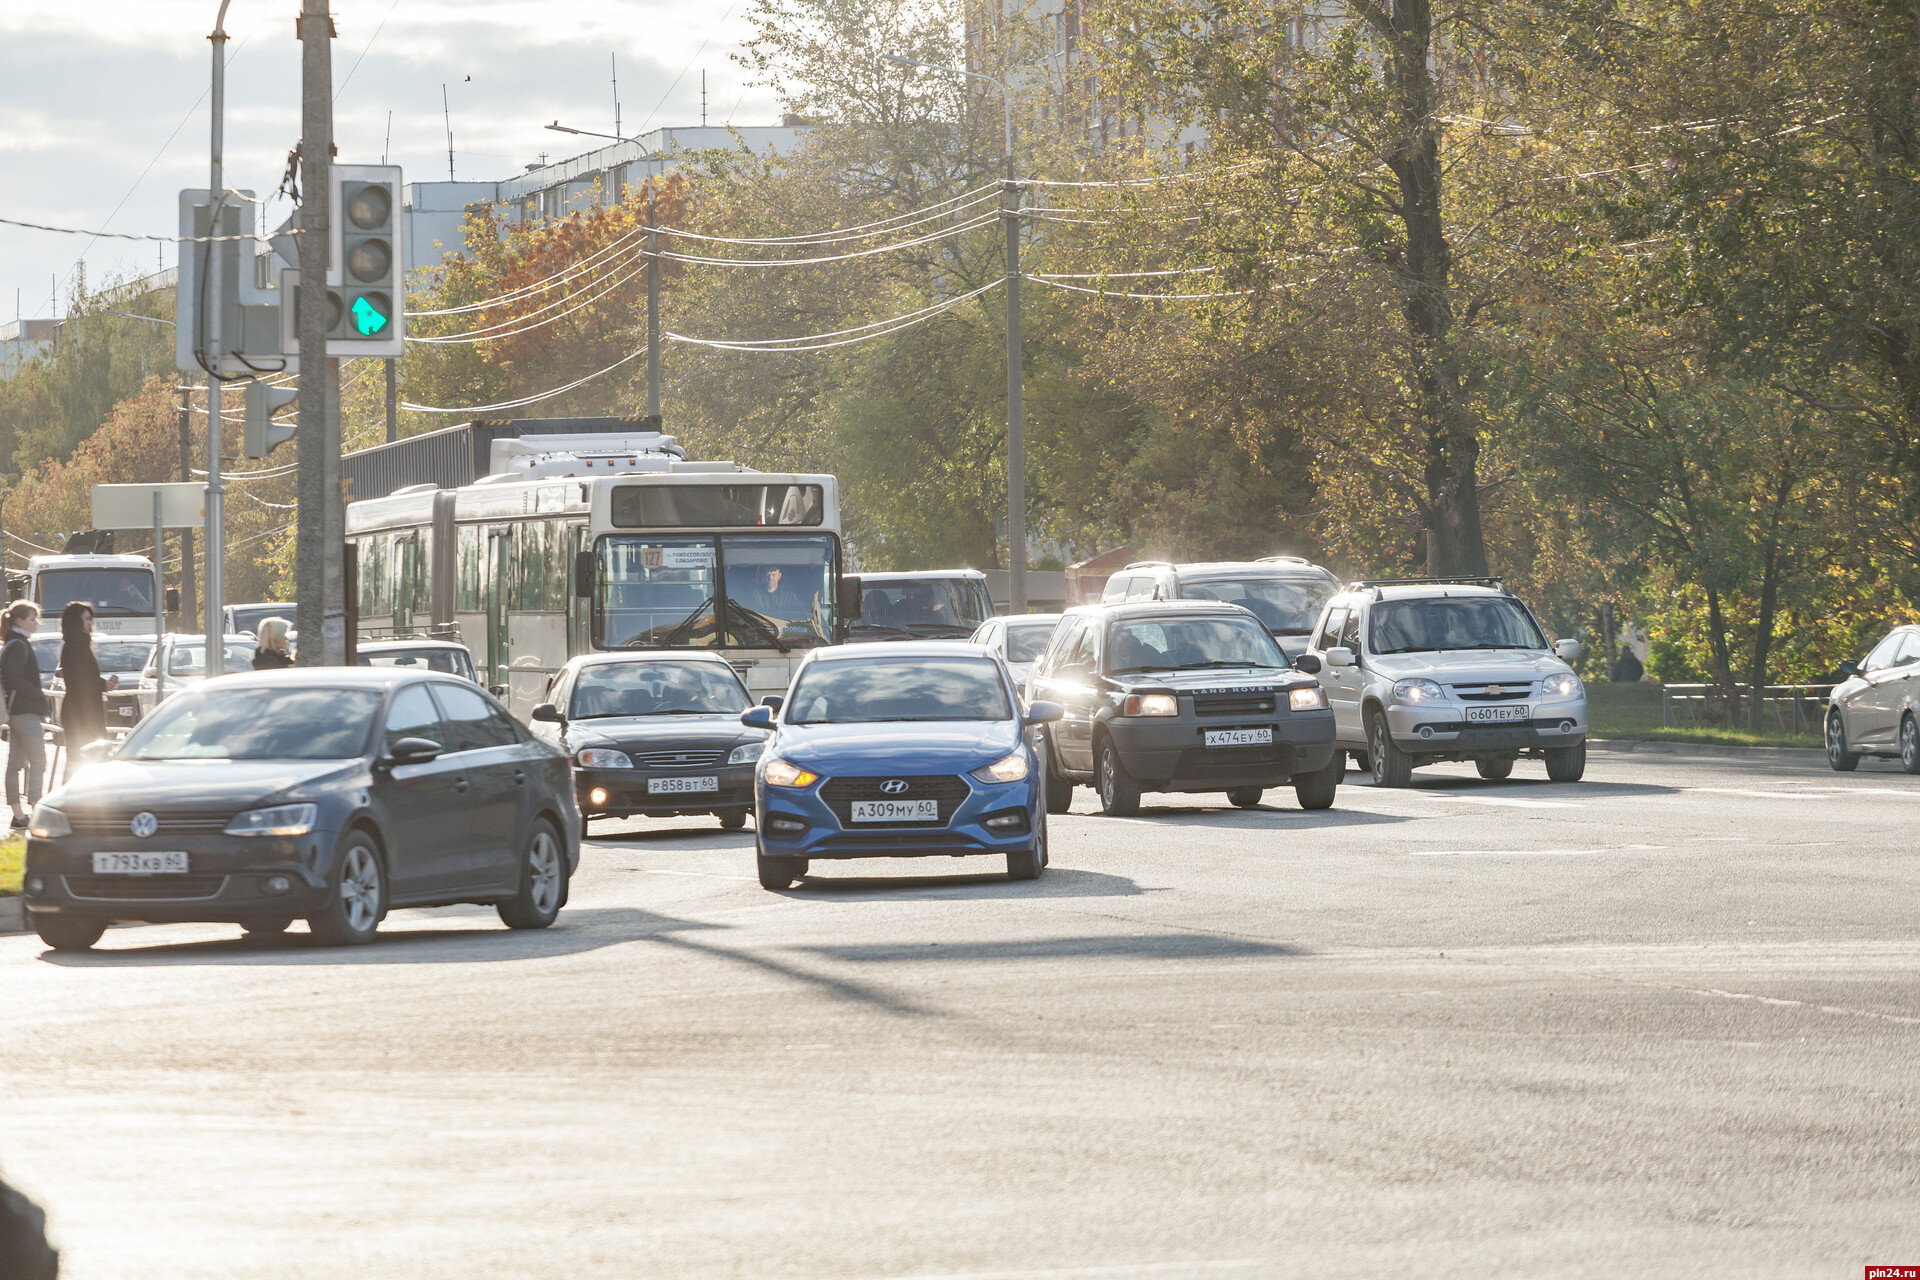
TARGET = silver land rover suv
(1420,670)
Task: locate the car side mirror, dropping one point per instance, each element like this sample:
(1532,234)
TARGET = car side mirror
(94,752)
(497,690)
(1043,713)
(585,570)
(850,601)
(1307,663)
(173,599)
(548,713)
(774,701)
(412,750)
(1340,656)
(1849,669)
(757,717)
(1566,650)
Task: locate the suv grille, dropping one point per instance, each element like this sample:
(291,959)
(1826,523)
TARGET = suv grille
(947,788)
(190,822)
(676,759)
(1233,704)
(1509,691)
(144,888)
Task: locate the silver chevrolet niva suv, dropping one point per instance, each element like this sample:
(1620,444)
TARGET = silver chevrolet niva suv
(1426,669)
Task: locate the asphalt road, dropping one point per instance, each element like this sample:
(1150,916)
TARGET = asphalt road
(1662,1022)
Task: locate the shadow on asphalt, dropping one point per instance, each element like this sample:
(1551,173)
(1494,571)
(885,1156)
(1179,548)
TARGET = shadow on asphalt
(1057,882)
(1525,788)
(1258,818)
(1158,946)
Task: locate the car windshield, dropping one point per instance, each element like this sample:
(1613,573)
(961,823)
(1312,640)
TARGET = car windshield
(923,606)
(656,689)
(1190,644)
(747,591)
(1452,622)
(46,652)
(1026,641)
(191,659)
(872,690)
(225,723)
(113,593)
(455,662)
(248,617)
(1289,606)
(123,655)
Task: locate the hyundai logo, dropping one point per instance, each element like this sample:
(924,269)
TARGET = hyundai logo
(144,825)
(894,786)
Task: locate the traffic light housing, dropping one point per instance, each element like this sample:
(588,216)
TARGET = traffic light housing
(263,434)
(366,273)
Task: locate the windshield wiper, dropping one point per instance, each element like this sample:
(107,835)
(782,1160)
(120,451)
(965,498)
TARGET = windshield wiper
(634,715)
(684,627)
(766,625)
(883,627)
(1217,662)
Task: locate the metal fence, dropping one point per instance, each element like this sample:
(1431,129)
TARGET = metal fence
(1796,709)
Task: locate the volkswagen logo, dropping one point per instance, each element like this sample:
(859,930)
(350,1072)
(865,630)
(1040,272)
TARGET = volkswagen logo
(894,786)
(144,825)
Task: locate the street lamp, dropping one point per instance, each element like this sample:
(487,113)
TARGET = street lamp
(1016,427)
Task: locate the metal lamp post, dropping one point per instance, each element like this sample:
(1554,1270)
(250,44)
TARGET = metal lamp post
(1016,424)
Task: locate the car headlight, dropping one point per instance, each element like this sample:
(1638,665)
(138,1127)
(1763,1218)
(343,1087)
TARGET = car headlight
(1415,693)
(1150,704)
(48,823)
(1310,698)
(746,753)
(603,758)
(1006,769)
(1564,685)
(780,773)
(281,820)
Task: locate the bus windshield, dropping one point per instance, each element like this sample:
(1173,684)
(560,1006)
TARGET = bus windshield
(743,591)
(113,593)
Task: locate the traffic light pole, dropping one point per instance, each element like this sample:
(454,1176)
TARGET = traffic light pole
(216,491)
(320,599)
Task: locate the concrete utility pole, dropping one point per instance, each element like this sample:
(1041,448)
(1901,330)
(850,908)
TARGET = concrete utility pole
(216,251)
(189,598)
(320,597)
(393,402)
(653,307)
(1010,190)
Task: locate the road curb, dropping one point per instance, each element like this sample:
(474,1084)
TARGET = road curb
(1639,746)
(13,916)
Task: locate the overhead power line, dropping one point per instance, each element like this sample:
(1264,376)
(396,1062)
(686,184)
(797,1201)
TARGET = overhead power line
(865,332)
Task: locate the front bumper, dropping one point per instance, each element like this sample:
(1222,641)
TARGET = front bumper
(1443,727)
(823,835)
(226,878)
(627,792)
(1170,753)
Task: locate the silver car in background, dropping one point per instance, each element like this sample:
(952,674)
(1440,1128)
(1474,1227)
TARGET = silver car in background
(1872,712)
(1019,639)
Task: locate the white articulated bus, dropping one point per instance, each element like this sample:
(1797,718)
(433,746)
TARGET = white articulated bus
(546,559)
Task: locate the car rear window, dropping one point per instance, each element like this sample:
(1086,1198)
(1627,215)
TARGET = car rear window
(904,689)
(1027,641)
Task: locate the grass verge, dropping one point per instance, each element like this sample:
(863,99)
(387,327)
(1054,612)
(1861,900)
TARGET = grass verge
(13,864)
(1633,711)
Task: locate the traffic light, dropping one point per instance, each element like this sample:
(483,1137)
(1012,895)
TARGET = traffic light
(264,435)
(366,278)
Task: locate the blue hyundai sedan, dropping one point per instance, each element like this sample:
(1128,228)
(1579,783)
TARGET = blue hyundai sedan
(910,750)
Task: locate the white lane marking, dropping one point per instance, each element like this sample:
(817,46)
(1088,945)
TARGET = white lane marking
(1511,802)
(1532,853)
(1777,1001)
(1111,1269)
(704,875)
(1761,795)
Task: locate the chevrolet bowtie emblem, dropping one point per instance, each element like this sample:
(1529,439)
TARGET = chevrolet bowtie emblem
(1493,691)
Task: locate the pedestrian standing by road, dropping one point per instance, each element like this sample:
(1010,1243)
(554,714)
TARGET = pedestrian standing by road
(270,653)
(83,707)
(26,709)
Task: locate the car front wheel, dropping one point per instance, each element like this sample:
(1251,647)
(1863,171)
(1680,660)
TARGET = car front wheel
(1059,790)
(1027,863)
(1119,793)
(356,895)
(543,881)
(1392,767)
(776,871)
(1842,760)
(68,933)
(1567,764)
(1494,768)
(1317,790)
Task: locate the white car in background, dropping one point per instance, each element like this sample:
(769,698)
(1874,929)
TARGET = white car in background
(183,658)
(1872,712)
(1020,639)
(449,656)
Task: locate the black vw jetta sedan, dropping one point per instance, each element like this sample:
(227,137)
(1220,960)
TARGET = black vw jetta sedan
(654,734)
(330,794)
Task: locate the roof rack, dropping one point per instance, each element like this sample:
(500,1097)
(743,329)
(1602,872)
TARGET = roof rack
(1149,564)
(1283,560)
(1376,583)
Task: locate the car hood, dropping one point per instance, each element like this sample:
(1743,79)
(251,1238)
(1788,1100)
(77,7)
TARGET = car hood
(920,746)
(659,732)
(1212,679)
(1470,666)
(195,784)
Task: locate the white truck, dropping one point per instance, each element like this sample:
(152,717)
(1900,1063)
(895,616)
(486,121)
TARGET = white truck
(121,589)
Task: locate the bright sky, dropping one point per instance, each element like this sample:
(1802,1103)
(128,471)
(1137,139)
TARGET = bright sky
(107,118)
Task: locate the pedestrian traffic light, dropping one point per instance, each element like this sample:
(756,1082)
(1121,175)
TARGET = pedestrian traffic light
(263,434)
(366,277)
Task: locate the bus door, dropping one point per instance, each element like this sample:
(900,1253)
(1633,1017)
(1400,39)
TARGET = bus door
(494,580)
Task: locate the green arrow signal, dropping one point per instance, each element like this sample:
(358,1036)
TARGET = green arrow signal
(367,318)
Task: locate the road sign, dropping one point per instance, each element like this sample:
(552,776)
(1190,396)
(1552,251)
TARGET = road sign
(130,506)
(249,315)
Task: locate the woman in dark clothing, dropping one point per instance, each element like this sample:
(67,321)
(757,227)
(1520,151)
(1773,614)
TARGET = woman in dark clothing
(83,708)
(270,653)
